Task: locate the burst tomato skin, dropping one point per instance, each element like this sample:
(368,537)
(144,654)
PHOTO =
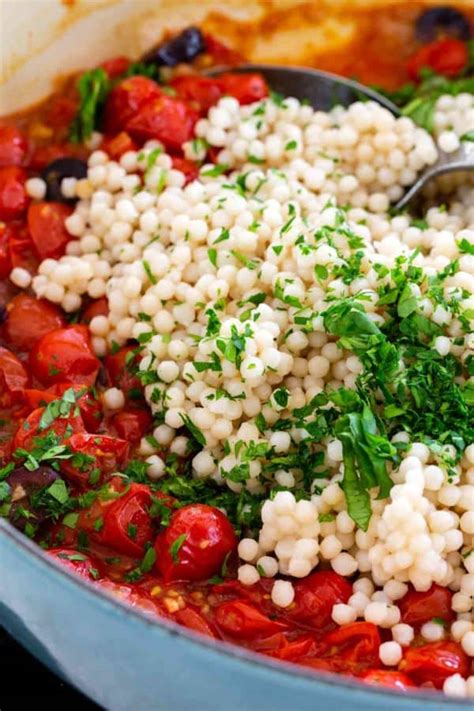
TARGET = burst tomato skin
(13,146)
(98,307)
(47,228)
(434,662)
(187,167)
(316,595)
(389,679)
(446,56)
(30,428)
(195,544)
(30,319)
(119,367)
(127,522)
(79,563)
(165,119)
(126,100)
(108,454)
(131,425)
(419,607)
(244,621)
(356,643)
(13,378)
(13,197)
(65,354)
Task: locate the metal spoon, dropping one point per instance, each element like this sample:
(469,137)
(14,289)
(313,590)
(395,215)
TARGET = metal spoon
(324,90)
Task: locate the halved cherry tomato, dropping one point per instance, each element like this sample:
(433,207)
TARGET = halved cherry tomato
(316,595)
(357,643)
(98,307)
(125,101)
(65,354)
(246,88)
(165,119)
(29,429)
(13,197)
(117,145)
(29,319)
(77,562)
(120,366)
(201,92)
(389,679)
(131,425)
(116,66)
(101,455)
(419,607)
(47,228)
(434,662)
(445,56)
(245,621)
(195,544)
(194,620)
(127,522)
(13,378)
(13,146)
(190,169)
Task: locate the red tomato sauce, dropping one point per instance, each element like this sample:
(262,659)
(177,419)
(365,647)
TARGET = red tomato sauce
(124,537)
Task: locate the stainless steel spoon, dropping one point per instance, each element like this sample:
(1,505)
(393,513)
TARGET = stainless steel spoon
(324,90)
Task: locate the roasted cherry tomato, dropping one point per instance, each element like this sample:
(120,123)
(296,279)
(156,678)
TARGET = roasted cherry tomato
(444,56)
(434,662)
(246,88)
(47,228)
(190,169)
(316,595)
(89,406)
(5,256)
(13,197)
(165,119)
(116,66)
(244,621)
(194,620)
(136,598)
(389,679)
(126,100)
(13,147)
(120,368)
(201,92)
(291,650)
(34,427)
(13,378)
(132,425)
(357,643)
(77,562)
(221,54)
(61,111)
(96,457)
(127,522)
(117,145)
(195,544)
(419,607)
(30,319)
(65,354)
(98,307)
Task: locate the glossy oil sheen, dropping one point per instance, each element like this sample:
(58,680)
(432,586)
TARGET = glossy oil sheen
(127,662)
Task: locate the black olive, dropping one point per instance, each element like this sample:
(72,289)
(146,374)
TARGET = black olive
(3,314)
(23,484)
(59,169)
(442,21)
(180,49)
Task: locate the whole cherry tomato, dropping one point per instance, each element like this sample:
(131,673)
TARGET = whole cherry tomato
(13,378)
(201,92)
(29,319)
(389,679)
(47,228)
(434,662)
(419,607)
(33,427)
(13,146)
(65,354)
(244,621)
(445,56)
(131,425)
(101,455)
(126,99)
(127,522)
(195,544)
(246,88)
(165,119)
(13,197)
(77,562)
(316,595)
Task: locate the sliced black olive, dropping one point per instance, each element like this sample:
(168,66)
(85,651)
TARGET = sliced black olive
(180,49)
(59,169)
(23,485)
(446,21)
